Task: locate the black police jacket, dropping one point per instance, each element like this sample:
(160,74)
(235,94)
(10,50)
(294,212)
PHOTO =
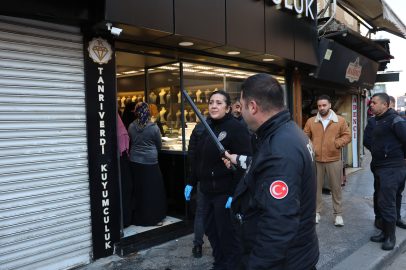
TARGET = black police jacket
(367,141)
(278,192)
(194,138)
(214,177)
(388,146)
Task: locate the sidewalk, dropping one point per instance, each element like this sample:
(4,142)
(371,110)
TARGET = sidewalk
(338,245)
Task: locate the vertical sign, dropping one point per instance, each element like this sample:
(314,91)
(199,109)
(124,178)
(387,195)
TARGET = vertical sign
(101,116)
(354,131)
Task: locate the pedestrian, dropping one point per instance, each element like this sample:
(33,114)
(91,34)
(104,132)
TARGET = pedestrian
(329,133)
(367,143)
(128,114)
(275,200)
(150,194)
(388,150)
(236,111)
(126,181)
(191,155)
(217,183)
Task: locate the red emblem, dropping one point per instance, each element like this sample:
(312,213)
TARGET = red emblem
(279,189)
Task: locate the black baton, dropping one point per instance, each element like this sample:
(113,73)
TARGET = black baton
(208,129)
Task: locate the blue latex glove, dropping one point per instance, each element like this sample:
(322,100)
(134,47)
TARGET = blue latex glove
(188,189)
(228,204)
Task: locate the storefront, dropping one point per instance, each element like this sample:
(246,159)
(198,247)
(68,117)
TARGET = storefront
(62,87)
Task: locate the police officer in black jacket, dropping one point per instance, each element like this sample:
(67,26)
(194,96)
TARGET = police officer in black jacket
(275,201)
(191,156)
(388,150)
(217,183)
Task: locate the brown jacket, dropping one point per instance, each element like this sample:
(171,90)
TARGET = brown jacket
(327,144)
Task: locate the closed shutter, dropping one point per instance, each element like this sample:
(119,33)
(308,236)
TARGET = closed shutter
(45,218)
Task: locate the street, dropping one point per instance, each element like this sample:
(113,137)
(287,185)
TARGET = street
(336,243)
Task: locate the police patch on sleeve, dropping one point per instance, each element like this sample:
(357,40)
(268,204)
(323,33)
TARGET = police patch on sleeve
(222,135)
(279,189)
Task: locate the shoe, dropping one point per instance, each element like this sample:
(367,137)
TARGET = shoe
(380,238)
(317,218)
(339,221)
(390,240)
(197,251)
(400,223)
(378,223)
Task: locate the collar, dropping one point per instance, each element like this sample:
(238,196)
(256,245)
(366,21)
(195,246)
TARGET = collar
(273,123)
(333,117)
(225,118)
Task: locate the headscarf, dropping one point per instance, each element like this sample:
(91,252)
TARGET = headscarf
(153,109)
(123,138)
(142,113)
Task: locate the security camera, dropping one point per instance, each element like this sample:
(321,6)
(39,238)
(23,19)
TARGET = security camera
(114,30)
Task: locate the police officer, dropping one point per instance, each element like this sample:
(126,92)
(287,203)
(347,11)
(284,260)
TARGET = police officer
(388,150)
(275,201)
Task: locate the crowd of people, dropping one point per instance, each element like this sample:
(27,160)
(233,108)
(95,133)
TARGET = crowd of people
(263,215)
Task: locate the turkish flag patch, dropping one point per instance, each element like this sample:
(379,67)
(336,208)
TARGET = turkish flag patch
(279,189)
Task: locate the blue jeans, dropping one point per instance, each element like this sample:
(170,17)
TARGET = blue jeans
(199,228)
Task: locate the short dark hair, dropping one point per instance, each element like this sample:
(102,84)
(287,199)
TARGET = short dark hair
(265,90)
(221,92)
(383,97)
(324,97)
(236,99)
(392,100)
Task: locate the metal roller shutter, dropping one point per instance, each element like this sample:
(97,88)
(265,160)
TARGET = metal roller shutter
(44,197)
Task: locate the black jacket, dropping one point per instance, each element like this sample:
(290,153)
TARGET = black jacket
(194,138)
(214,177)
(368,132)
(285,229)
(389,140)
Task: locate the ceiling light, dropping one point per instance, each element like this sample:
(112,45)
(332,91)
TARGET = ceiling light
(237,72)
(170,68)
(151,69)
(185,65)
(189,70)
(208,72)
(268,59)
(186,43)
(233,52)
(118,74)
(130,72)
(222,70)
(202,67)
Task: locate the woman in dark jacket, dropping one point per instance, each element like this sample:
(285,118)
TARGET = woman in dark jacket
(149,186)
(128,114)
(217,183)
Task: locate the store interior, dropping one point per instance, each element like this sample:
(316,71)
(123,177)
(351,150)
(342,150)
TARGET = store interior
(161,86)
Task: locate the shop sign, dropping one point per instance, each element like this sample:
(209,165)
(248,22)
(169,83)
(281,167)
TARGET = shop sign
(303,7)
(101,113)
(342,65)
(353,71)
(354,116)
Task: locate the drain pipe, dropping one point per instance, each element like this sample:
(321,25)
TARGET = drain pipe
(332,16)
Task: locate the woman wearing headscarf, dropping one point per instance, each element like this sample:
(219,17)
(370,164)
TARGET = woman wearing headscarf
(128,114)
(149,186)
(127,185)
(217,183)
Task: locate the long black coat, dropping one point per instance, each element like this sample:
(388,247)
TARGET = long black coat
(277,199)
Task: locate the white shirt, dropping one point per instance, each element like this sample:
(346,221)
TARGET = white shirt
(325,121)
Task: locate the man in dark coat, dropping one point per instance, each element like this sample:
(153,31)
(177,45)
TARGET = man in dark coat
(388,150)
(275,201)
(191,156)
(368,143)
(236,109)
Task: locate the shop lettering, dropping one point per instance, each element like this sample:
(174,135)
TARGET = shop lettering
(103,167)
(300,6)
(354,72)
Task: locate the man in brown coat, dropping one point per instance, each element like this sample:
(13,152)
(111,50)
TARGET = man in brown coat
(329,133)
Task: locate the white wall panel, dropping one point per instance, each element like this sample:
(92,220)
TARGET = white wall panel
(44,197)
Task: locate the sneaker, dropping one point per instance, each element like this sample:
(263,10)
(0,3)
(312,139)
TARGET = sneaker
(317,218)
(197,251)
(339,221)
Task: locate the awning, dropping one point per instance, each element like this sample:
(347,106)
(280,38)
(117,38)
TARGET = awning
(376,13)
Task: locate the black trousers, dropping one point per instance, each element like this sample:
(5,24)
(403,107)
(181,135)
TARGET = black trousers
(220,231)
(398,196)
(390,182)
